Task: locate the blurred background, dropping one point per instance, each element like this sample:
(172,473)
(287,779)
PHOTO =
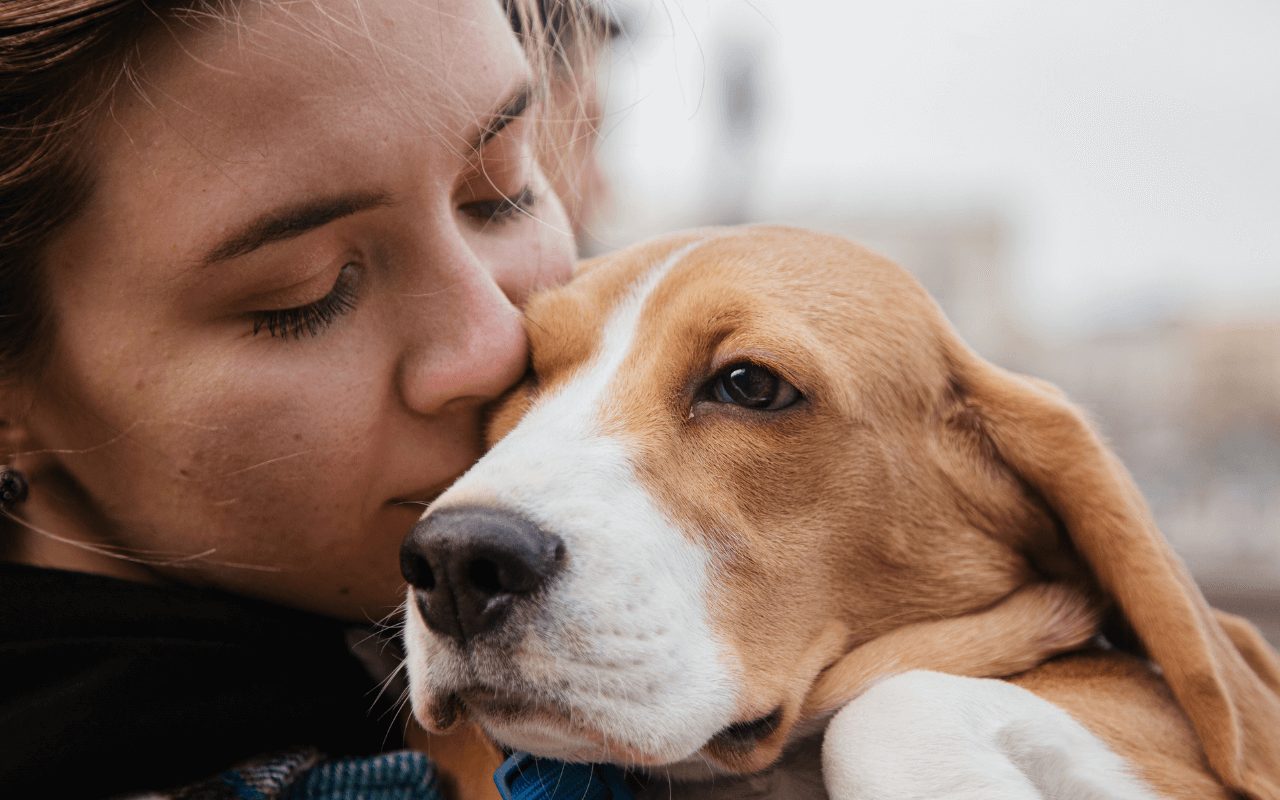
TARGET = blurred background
(1091,190)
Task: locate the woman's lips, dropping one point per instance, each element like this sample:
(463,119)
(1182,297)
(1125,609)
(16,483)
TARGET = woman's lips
(421,499)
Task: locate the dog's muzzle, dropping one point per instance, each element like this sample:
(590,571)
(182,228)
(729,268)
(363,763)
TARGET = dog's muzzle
(469,567)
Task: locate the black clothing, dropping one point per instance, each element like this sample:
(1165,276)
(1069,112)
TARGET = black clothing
(108,686)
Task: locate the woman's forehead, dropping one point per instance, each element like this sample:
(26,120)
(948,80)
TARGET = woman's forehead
(295,98)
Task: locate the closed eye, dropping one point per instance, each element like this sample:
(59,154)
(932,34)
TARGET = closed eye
(501,209)
(313,318)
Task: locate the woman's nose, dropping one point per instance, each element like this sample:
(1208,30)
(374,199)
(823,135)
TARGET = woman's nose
(475,350)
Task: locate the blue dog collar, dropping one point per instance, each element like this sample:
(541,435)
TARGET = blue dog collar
(526,777)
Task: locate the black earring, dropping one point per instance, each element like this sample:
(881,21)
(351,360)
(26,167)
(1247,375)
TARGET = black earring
(13,488)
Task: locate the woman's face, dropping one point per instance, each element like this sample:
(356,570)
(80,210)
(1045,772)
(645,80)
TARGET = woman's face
(294,289)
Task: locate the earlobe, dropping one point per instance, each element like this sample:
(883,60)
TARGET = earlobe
(13,488)
(15,434)
(12,434)
(14,483)
(20,457)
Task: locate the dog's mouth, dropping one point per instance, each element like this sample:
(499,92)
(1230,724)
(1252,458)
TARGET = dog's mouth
(545,728)
(549,729)
(741,737)
(748,746)
(447,710)
(498,705)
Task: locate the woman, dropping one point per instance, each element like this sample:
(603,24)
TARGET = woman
(261,267)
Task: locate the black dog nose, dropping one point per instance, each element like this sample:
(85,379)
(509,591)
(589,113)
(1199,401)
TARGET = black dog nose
(469,566)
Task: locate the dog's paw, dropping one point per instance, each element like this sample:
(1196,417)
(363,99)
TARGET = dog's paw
(930,736)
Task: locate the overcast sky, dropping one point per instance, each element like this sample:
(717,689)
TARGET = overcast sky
(1134,145)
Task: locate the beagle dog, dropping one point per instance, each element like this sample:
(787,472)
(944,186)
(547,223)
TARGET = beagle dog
(758,524)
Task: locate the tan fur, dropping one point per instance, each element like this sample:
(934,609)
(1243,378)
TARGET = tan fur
(1122,700)
(920,508)
(1013,636)
(1234,709)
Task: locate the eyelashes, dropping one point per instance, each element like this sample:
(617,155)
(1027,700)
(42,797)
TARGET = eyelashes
(502,209)
(313,318)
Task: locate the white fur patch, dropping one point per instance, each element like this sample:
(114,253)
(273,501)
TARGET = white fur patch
(621,638)
(930,736)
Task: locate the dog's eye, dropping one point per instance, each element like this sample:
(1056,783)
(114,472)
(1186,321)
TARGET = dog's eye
(753,386)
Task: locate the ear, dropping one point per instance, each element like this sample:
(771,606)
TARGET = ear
(21,449)
(1223,675)
(13,434)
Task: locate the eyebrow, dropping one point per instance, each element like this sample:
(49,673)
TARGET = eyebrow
(295,220)
(291,221)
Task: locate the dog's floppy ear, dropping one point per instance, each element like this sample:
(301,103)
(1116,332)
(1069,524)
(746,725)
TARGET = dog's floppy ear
(1220,670)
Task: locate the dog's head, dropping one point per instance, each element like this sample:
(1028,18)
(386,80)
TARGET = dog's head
(738,456)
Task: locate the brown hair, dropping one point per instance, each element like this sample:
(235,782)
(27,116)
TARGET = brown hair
(60,63)
(563,40)
(59,60)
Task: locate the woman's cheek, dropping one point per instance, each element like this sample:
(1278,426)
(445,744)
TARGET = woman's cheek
(300,507)
(258,456)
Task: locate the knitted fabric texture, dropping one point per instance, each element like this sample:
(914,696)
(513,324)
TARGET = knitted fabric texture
(304,775)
